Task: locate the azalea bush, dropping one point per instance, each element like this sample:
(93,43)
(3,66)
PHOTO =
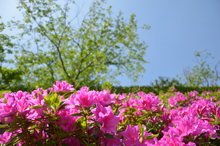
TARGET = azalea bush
(63,116)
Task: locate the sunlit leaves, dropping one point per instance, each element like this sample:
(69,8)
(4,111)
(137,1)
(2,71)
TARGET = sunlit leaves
(83,55)
(53,101)
(202,73)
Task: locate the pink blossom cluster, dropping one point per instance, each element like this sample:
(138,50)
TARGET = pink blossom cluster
(101,118)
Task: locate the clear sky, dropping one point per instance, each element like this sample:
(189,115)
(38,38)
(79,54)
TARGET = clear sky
(178,28)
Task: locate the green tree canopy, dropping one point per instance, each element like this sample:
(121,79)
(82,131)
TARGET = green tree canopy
(166,82)
(202,74)
(53,47)
(8,76)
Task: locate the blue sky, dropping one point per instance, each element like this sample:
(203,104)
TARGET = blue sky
(178,28)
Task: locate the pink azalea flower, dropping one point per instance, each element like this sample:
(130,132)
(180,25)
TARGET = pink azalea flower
(132,135)
(10,100)
(72,141)
(20,95)
(70,120)
(148,141)
(7,109)
(73,100)
(39,94)
(39,134)
(84,88)
(86,98)
(99,108)
(191,144)
(171,141)
(148,101)
(62,86)
(108,121)
(37,99)
(156,143)
(120,98)
(104,97)
(113,142)
(172,102)
(179,93)
(17,96)
(201,109)
(166,118)
(191,125)
(22,105)
(181,98)
(183,128)
(218,113)
(205,126)
(5,138)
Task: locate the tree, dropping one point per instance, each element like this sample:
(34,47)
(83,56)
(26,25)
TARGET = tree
(98,50)
(202,74)
(166,82)
(8,76)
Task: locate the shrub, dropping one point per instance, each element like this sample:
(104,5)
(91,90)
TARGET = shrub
(63,116)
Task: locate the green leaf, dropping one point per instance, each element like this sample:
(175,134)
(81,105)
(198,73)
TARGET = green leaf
(37,106)
(83,141)
(67,95)
(109,136)
(4,126)
(94,133)
(107,41)
(77,121)
(53,97)
(125,107)
(218,132)
(96,122)
(63,121)
(141,129)
(13,129)
(56,117)
(151,136)
(83,123)
(62,107)
(142,117)
(201,135)
(56,102)
(5,100)
(76,114)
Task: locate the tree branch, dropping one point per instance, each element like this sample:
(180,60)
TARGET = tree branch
(43,32)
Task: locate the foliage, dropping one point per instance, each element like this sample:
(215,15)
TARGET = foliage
(156,90)
(51,46)
(63,116)
(165,82)
(107,86)
(5,91)
(9,77)
(202,74)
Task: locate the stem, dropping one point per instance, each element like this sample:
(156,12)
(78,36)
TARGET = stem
(45,138)
(102,142)
(26,132)
(87,131)
(57,133)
